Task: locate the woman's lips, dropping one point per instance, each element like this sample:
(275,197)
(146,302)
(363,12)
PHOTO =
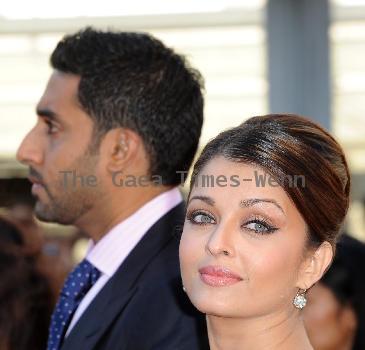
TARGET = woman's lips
(218,276)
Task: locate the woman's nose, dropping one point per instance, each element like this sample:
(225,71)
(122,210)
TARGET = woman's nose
(220,241)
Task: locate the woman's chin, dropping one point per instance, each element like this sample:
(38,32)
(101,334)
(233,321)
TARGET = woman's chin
(215,308)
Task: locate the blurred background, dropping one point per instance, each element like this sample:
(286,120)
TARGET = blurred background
(257,56)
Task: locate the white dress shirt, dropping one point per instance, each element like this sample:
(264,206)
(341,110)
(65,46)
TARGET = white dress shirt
(110,252)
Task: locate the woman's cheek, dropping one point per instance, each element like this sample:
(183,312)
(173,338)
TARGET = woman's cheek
(187,252)
(270,267)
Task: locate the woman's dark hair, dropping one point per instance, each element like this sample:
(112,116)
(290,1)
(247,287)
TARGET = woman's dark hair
(25,296)
(291,147)
(133,80)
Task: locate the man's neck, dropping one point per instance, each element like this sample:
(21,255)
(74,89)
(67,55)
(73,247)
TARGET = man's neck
(114,208)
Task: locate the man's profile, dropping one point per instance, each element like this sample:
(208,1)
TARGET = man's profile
(121,103)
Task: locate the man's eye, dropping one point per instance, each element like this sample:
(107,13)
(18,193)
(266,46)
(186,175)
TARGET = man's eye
(51,128)
(200,218)
(260,226)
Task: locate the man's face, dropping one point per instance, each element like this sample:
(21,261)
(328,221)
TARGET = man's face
(59,143)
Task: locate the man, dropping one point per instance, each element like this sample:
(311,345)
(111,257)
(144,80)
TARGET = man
(118,126)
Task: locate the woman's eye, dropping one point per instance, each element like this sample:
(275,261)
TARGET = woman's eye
(200,218)
(260,226)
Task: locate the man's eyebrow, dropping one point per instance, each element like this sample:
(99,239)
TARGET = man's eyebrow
(252,201)
(44,112)
(205,199)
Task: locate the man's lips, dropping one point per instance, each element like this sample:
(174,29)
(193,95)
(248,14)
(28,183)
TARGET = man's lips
(218,276)
(35,181)
(37,185)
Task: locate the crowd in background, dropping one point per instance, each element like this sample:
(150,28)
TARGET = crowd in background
(33,267)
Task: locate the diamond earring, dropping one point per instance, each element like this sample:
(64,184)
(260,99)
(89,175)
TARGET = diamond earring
(300,300)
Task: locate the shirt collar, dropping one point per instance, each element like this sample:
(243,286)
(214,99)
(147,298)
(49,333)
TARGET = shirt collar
(110,252)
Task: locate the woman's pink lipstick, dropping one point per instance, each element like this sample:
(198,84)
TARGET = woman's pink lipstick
(218,276)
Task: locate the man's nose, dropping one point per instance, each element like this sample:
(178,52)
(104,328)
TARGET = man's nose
(29,151)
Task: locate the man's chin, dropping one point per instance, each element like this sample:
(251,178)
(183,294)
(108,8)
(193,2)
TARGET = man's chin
(43,213)
(44,217)
(46,214)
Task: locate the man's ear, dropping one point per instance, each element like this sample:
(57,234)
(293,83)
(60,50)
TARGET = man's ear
(315,265)
(123,146)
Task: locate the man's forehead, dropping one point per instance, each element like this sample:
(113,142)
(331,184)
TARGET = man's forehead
(61,89)
(62,84)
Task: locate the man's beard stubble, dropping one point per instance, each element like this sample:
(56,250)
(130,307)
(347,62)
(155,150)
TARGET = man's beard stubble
(67,203)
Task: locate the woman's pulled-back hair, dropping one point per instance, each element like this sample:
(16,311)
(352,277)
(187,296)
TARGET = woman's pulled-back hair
(291,147)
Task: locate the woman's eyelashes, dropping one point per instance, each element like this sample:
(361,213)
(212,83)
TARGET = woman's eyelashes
(256,224)
(260,226)
(200,217)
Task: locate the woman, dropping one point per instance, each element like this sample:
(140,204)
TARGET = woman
(266,203)
(25,297)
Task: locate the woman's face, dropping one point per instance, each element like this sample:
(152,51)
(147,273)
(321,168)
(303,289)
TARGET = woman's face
(243,245)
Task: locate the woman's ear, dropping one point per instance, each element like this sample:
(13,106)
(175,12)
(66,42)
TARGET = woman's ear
(314,265)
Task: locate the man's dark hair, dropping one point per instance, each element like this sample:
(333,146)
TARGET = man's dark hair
(132,80)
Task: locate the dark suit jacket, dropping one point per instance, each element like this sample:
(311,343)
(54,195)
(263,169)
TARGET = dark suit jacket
(143,306)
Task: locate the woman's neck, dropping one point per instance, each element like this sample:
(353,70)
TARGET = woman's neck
(274,332)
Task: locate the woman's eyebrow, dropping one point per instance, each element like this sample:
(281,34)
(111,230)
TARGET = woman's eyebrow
(210,201)
(252,201)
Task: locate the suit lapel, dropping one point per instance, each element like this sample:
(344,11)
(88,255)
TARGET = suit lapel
(119,290)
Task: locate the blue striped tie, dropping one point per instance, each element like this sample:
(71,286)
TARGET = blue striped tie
(77,284)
